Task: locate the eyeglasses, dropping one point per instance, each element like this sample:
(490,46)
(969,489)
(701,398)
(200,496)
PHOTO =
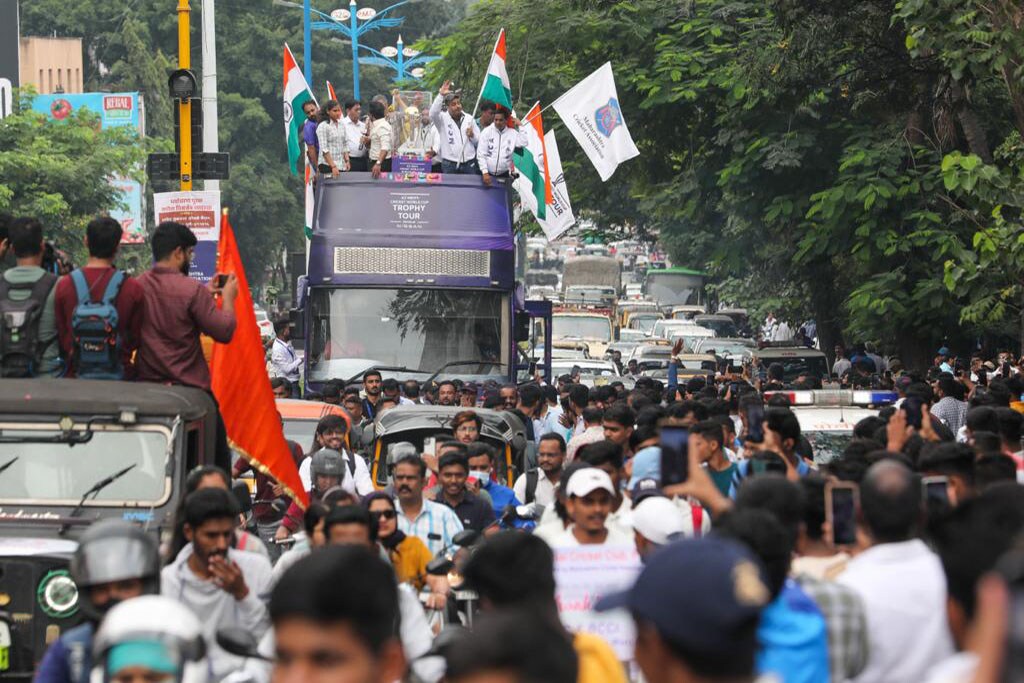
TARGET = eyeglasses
(386,514)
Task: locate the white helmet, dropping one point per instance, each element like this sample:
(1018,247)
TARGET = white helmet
(155,633)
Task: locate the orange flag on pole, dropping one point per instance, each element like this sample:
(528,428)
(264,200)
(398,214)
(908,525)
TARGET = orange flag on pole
(330,92)
(242,387)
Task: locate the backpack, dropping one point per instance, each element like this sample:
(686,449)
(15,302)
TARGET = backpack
(94,330)
(532,477)
(21,350)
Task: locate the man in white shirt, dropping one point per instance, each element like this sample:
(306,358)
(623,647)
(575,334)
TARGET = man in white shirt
(899,579)
(457,132)
(494,150)
(355,130)
(589,497)
(224,587)
(283,359)
(550,458)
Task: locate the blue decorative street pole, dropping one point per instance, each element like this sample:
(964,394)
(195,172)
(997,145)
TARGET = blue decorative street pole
(359,22)
(307,43)
(395,58)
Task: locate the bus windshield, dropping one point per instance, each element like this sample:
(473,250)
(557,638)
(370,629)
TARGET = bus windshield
(419,330)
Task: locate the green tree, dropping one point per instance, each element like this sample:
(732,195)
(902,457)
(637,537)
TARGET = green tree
(60,173)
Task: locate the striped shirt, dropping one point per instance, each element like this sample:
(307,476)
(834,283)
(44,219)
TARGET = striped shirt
(436,525)
(331,135)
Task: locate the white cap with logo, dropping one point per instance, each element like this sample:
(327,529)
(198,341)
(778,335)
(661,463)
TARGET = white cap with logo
(588,480)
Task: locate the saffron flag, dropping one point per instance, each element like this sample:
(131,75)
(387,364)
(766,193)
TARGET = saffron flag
(330,92)
(591,112)
(496,87)
(534,181)
(558,212)
(240,383)
(296,94)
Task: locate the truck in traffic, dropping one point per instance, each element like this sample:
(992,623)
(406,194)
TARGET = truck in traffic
(415,277)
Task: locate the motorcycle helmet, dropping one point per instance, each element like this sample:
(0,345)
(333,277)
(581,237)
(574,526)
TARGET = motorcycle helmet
(114,550)
(155,633)
(327,462)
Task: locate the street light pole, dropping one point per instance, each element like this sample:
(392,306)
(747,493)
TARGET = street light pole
(401,58)
(354,28)
(307,39)
(209,38)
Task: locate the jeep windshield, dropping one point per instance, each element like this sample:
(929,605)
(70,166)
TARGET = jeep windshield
(52,467)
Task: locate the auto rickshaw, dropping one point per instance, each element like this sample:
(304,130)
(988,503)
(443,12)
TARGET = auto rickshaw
(417,424)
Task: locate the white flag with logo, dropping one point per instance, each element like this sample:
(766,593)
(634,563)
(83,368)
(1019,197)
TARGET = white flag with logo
(558,217)
(591,112)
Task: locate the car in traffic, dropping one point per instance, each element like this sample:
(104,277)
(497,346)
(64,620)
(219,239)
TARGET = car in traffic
(827,417)
(723,325)
(690,335)
(736,350)
(73,453)
(265,324)
(795,360)
(590,366)
(687,311)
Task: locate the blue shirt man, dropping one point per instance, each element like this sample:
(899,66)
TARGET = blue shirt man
(481,468)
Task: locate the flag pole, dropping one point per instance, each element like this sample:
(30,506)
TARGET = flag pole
(480,95)
(527,120)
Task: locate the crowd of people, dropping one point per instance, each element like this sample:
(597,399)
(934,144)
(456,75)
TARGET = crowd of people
(743,575)
(748,571)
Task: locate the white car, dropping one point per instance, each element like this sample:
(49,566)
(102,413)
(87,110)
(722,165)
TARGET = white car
(587,366)
(827,418)
(264,323)
(666,329)
(691,335)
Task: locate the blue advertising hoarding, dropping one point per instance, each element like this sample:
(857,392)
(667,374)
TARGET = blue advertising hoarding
(114,110)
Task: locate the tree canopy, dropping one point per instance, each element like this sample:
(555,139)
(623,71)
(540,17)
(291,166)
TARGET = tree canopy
(856,161)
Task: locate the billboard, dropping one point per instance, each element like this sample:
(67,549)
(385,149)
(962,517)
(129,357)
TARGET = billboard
(115,110)
(200,212)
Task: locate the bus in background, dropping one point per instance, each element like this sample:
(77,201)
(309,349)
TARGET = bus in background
(676,287)
(415,278)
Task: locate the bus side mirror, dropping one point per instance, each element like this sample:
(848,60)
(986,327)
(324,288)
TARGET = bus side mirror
(523,328)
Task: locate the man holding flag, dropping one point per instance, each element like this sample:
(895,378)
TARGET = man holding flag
(296,95)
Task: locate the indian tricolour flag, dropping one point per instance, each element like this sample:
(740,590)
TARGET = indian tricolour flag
(534,181)
(296,94)
(496,87)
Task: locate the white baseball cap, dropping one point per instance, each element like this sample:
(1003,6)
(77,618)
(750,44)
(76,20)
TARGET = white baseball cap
(588,480)
(658,520)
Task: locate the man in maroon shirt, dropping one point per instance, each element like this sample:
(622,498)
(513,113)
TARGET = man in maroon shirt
(102,238)
(178,310)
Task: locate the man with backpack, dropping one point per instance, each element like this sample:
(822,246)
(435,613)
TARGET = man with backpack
(28,332)
(538,486)
(99,310)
